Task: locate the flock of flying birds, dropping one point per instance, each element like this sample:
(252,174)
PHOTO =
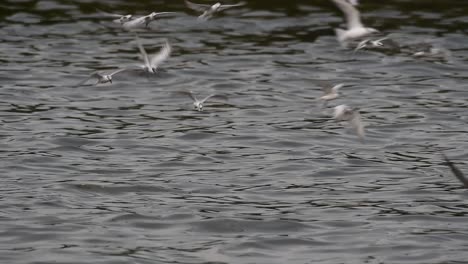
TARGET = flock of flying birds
(355,32)
(151,64)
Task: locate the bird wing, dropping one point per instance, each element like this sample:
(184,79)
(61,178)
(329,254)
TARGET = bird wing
(109,14)
(456,171)
(223,7)
(381,39)
(117,71)
(93,75)
(361,45)
(357,124)
(197,7)
(352,15)
(337,87)
(218,96)
(135,23)
(339,111)
(143,53)
(163,14)
(190,94)
(161,56)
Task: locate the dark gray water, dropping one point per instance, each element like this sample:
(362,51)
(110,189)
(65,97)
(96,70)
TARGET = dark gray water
(129,173)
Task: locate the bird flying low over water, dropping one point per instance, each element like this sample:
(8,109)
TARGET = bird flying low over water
(151,64)
(209,10)
(355,28)
(144,21)
(102,77)
(198,104)
(119,18)
(369,42)
(460,176)
(331,92)
(346,113)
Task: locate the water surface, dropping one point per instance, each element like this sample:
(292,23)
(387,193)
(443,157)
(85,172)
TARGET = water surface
(129,173)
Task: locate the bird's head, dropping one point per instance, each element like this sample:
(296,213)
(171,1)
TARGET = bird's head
(198,106)
(378,44)
(125,18)
(215,6)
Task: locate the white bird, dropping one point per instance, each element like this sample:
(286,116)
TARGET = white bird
(102,77)
(120,18)
(331,92)
(209,10)
(143,21)
(346,113)
(354,2)
(373,43)
(355,27)
(151,65)
(198,104)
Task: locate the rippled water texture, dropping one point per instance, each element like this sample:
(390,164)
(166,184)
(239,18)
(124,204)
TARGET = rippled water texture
(130,173)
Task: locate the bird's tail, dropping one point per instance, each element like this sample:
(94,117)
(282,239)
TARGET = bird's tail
(340,34)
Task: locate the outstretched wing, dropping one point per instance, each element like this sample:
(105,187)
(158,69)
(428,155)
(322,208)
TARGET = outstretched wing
(456,171)
(104,13)
(223,7)
(190,94)
(197,7)
(155,15)
(357,124)
(215,96)
(337,87)
(117,71)
(93,75)
(161,56)
(143,52)
(352,15)
(361,45)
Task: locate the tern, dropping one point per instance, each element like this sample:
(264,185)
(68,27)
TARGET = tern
(355,27)
(456,171)
(331,92)
(369,42)
(346,113)
(151,64)
(209,10)
(198,104)
(143,21)
(102,77)
(120,18)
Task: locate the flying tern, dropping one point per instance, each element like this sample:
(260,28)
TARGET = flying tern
(355,28)
(119,18)
(346,113)
(369,42)
(209,10)
(143,21)
(331,92)
(151,64)
(198,104)
(102,77)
